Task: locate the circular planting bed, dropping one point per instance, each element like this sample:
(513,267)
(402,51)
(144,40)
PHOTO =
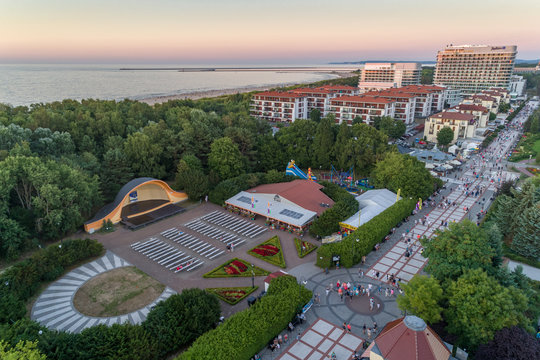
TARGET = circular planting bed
(116,292)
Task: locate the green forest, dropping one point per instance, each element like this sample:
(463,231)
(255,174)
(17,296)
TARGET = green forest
(60,162)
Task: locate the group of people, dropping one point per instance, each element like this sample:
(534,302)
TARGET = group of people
(369,331)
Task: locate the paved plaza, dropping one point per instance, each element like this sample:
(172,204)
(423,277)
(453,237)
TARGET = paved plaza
(320,340)
(54,307)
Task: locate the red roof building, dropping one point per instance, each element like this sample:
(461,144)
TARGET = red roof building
(408,338)
(279,106)
(347,108)
(304,193)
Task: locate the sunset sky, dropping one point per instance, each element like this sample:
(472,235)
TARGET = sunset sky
(256,31)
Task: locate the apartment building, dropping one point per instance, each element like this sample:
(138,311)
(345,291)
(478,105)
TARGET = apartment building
(405,103)
(480,113)
(463,125)
(317,98)
(380,76)
(486,101)
(429,98)
(347,108)
(341,90)
(502,95)
(473,68)
(517,86)
(279,106)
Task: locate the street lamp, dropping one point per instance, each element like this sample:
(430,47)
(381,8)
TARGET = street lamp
(252,277)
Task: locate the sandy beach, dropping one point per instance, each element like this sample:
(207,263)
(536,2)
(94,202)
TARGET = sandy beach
(195,95)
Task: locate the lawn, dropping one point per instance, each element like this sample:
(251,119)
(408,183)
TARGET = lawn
(235,268)
(270,251)
(232,295)
(117,292)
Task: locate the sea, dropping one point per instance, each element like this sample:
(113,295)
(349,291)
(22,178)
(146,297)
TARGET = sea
(26,84)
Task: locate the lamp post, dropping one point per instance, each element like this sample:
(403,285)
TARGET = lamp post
(252,277)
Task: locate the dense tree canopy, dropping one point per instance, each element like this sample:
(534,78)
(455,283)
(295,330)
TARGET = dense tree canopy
(510,343)
(463,246)
(422,297)
(391,127)
(404,172)
(445,136)
(478,306)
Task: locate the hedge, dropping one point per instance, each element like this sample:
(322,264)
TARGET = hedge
(247,332)
(345,205)
(369,234)
(22,280)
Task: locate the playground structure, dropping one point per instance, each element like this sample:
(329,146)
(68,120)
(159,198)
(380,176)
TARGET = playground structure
(345,179)
(294,170)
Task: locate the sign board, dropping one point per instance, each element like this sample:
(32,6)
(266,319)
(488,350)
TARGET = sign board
(331,239)
(133,196)
(347,226)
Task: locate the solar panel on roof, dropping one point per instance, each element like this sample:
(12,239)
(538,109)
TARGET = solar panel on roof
(244,199)
(290,213)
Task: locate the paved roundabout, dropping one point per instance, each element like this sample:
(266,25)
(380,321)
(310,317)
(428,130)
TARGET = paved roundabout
(54,307)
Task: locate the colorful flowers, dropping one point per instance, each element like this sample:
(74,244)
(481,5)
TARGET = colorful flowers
(232,295)
(270,251)
(235,267)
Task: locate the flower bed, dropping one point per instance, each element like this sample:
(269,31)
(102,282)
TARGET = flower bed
(235,268)
(308,247)
(270,251)
(232,295)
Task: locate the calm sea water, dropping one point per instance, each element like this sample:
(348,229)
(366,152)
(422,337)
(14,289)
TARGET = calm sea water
(32,83)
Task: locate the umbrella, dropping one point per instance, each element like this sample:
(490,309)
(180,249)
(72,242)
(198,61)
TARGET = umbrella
(433,173)
(455,162)
(430,166)
(448,167)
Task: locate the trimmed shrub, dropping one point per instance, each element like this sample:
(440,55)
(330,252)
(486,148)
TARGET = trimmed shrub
(246,332)
(345,206)
(368,235)
(179,320)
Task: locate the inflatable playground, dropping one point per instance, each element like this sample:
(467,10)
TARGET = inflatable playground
(345,179)
(294,170)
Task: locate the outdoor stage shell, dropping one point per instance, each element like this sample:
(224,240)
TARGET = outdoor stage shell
(137,191)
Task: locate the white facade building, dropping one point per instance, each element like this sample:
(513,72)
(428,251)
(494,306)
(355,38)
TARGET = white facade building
(379,76)
(279,106)
(473,68)
(517,86)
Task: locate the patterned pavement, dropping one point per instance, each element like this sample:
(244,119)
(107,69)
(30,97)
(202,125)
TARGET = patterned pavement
(482,174)
(54,307)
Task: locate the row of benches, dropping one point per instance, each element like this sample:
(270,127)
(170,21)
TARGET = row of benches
(191,242)
(234,223)
(215,233)
(167,255)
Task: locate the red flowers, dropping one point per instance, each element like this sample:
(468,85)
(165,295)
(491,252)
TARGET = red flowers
(235,267)
(266,250)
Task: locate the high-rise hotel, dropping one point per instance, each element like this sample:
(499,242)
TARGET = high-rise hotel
(380,76)
(473,68)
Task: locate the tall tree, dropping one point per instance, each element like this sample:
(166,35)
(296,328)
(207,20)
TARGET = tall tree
(343,159)
(527,237)
(324,142)
(144,155)
(225,159)
(510,343)
(422,297)
(22,351)
(445,136)
(478,306)
(462,246)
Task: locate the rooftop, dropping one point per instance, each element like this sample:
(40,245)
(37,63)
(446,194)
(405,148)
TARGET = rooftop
(304,193)
(282,94)
(363,99)
(471,107)
(409,338)
(372,203)
(453,115)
